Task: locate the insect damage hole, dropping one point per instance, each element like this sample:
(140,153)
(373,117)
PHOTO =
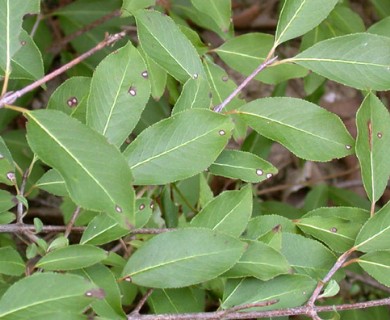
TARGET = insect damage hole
(118,209)
(222,132)
(334,229)
(379,135)
(72,102)
(348,147)
(141,207)
(132,91)
(269,175)
(145,74)
(259,172)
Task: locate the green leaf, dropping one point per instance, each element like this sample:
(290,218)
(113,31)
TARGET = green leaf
(242,165)
(316,197)
(382,7)
(375,234)
(337,233)
(304,128)
(346,213)
(7,201)
(168,150)
(242,55)
(289,290)
(180,300)
(377,265)
(11,15)
(110,307)
(199,255)
(260,261)
(73,150)
(196,94)
(344,197)
(300,16)
(72,257)
(64,293)
(11,263)
(131,6)
(228,213)
(360,60)
(163,41)
(260,226)
(382,27)
(217,10)
(307,256)
(372,144)
(71,97)
(27,63)
(119,92)
(6,163)
(331,289)
(53,183)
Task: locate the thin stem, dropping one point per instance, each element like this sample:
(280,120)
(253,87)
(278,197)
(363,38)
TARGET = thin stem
(5,84)
(304,310)
(109,40)
(372,210)
(71,222)
(20,206)
(141,303)
(367,280)
(56,48)
(260,68)
(36,25)
(189,205)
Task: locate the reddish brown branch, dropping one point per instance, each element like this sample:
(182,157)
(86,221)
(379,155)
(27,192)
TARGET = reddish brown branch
(10,97)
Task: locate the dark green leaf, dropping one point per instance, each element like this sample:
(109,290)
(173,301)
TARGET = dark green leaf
(131,6)
(217,10)
(7,201)
(52,182)
(168,150)
(6,163)
(199,255)
(259,226)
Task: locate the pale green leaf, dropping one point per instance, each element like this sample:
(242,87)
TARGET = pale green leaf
(300,16)
(53,183)
(168,150)
(242,165)
(307,256)
(246,52)
(382,27)
(382,7)
(377,265)
(7,201)
(304,128)
(375,234)
(131,6)
(260,261)
(119,92)
(209,254)
(163,41)
(196,94)
(110,307)
(372,145)
(316,197)
(6,163)
(11,15)
(11,263)
(261,225)
(72,257)
(63,293)
(228,213)
(96,174)
(103,229)
(332,288)
(71,97)
(360,60)
(337,233)
(205,192)
(217,10)
(27,63)
(180,300)
(357,215)
(289,290)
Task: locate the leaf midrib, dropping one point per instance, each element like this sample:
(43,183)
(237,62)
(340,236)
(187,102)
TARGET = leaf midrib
(72,156)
